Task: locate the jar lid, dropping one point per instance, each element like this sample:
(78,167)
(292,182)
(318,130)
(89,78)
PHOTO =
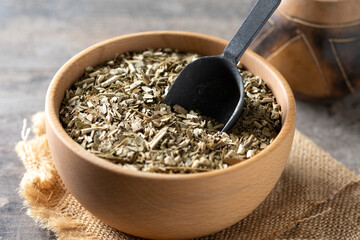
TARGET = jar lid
(322,13)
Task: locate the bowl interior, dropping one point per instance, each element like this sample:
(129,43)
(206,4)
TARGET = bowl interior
(183,41)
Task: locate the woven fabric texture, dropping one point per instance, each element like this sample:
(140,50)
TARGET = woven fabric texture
(315,198)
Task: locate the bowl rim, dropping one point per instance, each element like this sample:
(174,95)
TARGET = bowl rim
(52,119)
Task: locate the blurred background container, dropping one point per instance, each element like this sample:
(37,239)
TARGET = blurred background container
(315,45)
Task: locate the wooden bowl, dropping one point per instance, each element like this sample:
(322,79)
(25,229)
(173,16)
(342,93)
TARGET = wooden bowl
(161,206)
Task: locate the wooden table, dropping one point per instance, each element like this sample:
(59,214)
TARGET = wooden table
(37,37)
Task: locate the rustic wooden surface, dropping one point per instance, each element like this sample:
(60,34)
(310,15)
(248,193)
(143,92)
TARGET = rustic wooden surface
(38,36)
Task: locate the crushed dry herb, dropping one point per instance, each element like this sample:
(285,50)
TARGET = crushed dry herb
(114,111)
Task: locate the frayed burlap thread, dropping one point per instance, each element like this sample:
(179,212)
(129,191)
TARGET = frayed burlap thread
(315,198)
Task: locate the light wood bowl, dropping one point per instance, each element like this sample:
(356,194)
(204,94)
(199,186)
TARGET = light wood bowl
(161,206)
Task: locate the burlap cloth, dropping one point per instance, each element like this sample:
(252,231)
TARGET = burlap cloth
(316,198)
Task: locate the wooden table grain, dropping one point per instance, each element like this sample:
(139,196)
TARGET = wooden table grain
(38,36)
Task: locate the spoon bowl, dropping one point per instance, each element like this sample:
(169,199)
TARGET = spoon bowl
(213,86)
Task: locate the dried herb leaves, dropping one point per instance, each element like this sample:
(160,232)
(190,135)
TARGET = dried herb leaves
(114,111)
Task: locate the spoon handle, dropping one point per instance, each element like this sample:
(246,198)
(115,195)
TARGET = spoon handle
(252,24)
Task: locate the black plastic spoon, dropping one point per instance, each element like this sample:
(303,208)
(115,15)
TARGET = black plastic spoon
(212,84)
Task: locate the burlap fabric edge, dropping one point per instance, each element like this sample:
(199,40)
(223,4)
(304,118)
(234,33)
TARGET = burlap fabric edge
(315,198)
